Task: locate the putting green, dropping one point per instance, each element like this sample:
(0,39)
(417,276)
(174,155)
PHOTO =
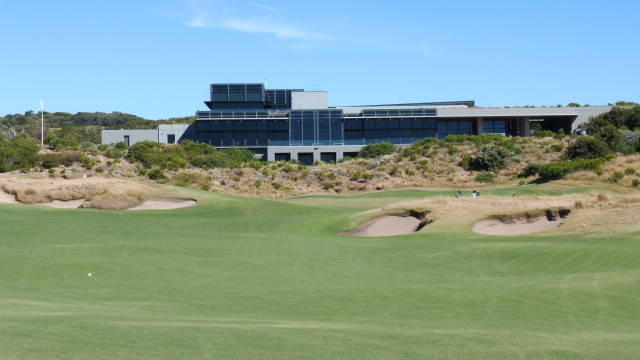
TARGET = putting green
(237,278)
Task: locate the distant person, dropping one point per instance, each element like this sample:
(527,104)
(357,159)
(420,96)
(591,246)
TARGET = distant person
(474,193)
(459,193)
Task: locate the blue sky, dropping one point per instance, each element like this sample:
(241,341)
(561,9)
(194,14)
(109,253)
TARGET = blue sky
(156,58)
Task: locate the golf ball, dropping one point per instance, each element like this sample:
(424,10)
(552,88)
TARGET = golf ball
(89,274)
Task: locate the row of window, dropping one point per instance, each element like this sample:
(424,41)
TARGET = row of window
(237,92)
(405,123)
(312,131)
(398,112)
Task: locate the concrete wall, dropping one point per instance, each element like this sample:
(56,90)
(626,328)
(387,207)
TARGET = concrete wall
(309,100)
(315,150)
(114,136)
(181,132)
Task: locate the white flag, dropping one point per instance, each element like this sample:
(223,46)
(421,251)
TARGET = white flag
(41,105)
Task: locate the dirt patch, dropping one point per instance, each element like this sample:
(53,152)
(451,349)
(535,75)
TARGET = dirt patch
(521,224)
(164,204)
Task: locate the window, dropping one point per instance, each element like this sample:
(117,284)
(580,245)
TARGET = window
(126,140)
(171,139)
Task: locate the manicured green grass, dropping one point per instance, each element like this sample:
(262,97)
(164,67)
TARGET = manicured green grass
(235,278)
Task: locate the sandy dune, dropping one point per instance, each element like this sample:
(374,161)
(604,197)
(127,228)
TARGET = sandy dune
(521,227)
(387,226)
(164,204)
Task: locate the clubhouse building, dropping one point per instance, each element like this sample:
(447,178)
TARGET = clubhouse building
(285,124)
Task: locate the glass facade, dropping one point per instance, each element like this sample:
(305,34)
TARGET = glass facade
(494,126)
(248,115)
(316,127)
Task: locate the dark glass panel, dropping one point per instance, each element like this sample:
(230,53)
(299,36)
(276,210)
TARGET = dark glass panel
(238,125)
(369,124)
(262,138)
(353,124)
(394,136)
(430,124)
(405,123)
(382,135)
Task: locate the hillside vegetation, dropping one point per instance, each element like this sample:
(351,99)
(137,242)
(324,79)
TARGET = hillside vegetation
(608,155)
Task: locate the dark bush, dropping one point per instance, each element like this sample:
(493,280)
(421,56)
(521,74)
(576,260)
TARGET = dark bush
(587,147)
(156,174)
(531,170)
(66,158)
(559,170)
(21,152)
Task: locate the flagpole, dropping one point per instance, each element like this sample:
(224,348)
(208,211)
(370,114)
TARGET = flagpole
(41,123)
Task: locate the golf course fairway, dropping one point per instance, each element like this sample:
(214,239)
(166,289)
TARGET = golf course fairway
(242,278)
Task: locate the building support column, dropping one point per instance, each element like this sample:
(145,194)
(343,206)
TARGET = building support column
(525,127)
(480,126)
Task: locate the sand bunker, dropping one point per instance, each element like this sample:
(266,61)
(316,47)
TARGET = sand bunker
(518,227)
(71,204)
(387,226)
(6,198)
(151,204)
(164,204)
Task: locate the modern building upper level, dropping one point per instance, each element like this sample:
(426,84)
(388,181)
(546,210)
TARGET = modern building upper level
(285,123)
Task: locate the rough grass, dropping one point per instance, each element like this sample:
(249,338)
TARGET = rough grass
(239,278)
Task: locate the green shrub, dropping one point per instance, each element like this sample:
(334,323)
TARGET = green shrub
(530,170)
(113,153)
(156,174)
(559,170)
(87,162)
(492,157)
(635,182)
(616,176)
(327,186)
(376,150)
(21,152)
(484,177)
(510,146)
(87,145)
(630,171)
(557,147)
(587,147)
(466,161)
(120,145)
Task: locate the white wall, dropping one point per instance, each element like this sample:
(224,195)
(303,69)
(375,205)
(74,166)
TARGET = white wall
(301,100)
